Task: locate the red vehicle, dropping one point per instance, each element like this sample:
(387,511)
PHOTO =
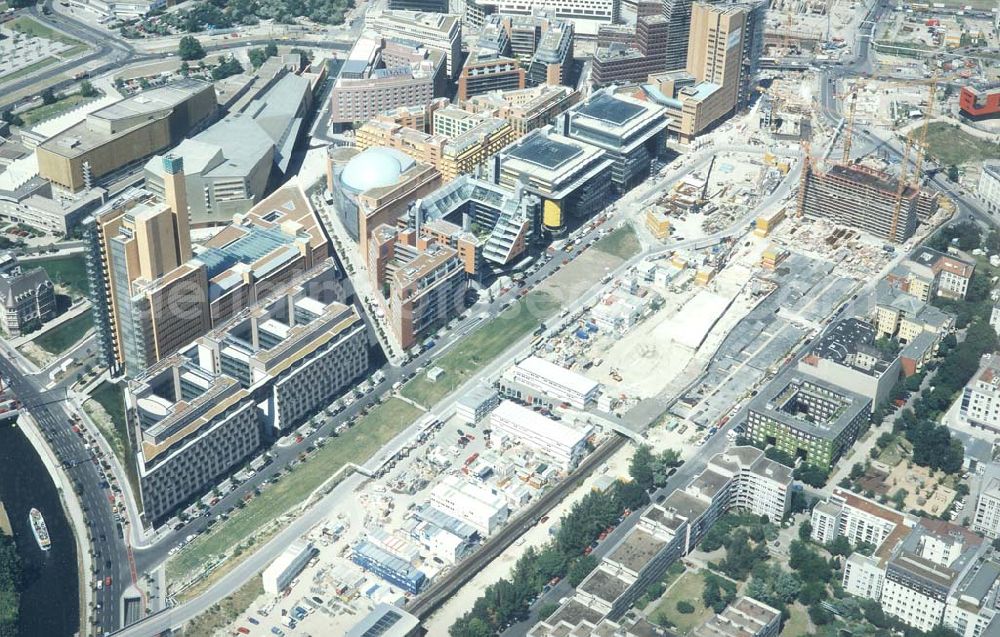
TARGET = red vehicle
(554,580)
(587,551)
(471,459)
(243,630)
(107,581)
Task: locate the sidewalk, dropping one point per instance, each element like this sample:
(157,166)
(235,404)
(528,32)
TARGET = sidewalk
(139,538)
(74,311)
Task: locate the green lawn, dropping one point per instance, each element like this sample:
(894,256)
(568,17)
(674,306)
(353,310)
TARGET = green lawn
(481,346)
(36,29)
(621,243)
(68,271)
(797,624)
(357,445)
(48,111)
(687,588)
(110,397)
(63,336)
(28,70)
(894,452)
(951,146)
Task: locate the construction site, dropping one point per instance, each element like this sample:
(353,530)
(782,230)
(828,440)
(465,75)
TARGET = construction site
(812,27)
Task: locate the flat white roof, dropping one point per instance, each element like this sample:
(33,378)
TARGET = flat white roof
(553,430)
(455,489)
(558,375)
(287,558)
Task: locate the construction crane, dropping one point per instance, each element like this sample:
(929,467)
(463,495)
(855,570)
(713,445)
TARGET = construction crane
(849,127)
(921,147)
(900,188)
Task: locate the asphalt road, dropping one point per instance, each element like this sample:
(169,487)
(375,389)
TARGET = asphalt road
(115,53)
(51,415)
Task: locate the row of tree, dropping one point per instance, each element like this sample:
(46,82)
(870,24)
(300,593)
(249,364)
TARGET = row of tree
(508,600)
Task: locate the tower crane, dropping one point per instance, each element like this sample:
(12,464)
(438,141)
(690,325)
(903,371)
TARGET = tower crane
(849,130)
(921,147)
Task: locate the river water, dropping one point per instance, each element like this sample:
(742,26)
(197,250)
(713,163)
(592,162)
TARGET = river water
(49,602)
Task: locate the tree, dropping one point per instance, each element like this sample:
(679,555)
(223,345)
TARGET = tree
(87,89)
(805,531)
(812,593)
(580,569)
(257,57)
(857,471)
(227,67)
(49,96)
(189,48)
(953,173)
(811,474)
(685,607)
(12,118)
(819,615)
(185,69)
(640,467)
(271,50)
(773,585)
(840,546)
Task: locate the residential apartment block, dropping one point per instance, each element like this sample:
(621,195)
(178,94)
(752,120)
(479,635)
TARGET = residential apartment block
(526,109)
(485,72)
(736,479)
(926,570)
(459,144)
(846,356)
(989,186)
(807,418)
(201,412)
(27,297)
(421,282)
(980,406)
(986,519)
(927,273)
(745,617)
(923,572)
(439,31)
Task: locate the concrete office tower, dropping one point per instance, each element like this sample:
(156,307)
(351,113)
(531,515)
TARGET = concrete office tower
(715,50)
(678,15)
(175,193)
(433,30)
(147,300)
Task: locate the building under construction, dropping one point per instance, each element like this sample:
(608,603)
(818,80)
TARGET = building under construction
(863,198)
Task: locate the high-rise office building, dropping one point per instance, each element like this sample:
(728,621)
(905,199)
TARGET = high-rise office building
(678,21)
(715,48)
